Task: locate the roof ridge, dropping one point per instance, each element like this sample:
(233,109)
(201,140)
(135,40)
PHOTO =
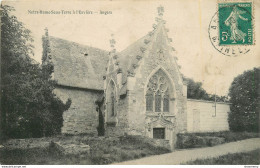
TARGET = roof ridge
(83,45)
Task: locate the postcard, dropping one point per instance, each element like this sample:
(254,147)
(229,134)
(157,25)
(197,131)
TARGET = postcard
(130,82)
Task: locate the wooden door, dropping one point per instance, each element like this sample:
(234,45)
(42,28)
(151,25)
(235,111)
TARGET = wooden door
(196,120)
(159,133)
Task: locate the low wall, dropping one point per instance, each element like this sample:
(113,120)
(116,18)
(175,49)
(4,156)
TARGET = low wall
(203,116)
(185,141)
(28,143)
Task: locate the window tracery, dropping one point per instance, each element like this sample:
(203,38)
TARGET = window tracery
(158,93)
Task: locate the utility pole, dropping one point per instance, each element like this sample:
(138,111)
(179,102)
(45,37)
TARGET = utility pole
(215,104)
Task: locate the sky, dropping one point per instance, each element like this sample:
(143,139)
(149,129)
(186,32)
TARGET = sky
(187,21)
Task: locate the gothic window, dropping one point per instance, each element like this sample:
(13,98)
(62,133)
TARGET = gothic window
(112,104)
(157,101)
(111,99)
(166,102)
(149,100)
(158,93)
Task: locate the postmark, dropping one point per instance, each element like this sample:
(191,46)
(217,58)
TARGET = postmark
(231,28)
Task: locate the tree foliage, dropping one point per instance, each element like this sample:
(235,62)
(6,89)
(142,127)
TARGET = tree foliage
(244,96)
(195,91)
(29,108)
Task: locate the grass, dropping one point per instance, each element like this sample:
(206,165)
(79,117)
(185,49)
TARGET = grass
(249,158)
(27,156)
(104,150)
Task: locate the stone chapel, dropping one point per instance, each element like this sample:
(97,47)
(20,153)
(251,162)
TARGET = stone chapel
(138,91)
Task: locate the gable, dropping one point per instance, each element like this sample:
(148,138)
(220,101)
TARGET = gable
(153,49)
(129,56)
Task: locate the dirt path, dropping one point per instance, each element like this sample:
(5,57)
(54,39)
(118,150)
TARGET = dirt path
(182,156)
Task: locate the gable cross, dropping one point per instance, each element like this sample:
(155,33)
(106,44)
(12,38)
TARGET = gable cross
(160,10)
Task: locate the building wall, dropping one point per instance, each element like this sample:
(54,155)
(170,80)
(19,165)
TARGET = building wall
(139,120)
(115,125)
(82,116)
(201,116)
(121,124)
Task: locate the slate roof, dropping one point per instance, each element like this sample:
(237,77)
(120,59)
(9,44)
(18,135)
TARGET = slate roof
(78,65)
(127,57)
(73,68)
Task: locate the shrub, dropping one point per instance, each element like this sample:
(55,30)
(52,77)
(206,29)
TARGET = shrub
(193,140)
(244,96)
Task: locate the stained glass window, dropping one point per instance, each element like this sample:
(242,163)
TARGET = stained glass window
(149,100)
(157,101)
(158,93)
(166,102)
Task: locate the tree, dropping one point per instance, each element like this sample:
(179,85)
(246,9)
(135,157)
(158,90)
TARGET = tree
(244,96)
(29,108)
(195,91)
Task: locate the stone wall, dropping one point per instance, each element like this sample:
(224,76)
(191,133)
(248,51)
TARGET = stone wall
(116,125)
(139,120)
(82,116)
(185,141)
(28,143)
(149,65)
(202,117)
(121,125)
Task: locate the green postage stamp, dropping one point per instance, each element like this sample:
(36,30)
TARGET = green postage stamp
(231,29)
(235,23)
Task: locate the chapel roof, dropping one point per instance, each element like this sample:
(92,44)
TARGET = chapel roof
(127,57)
(78,65)
(73,68)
